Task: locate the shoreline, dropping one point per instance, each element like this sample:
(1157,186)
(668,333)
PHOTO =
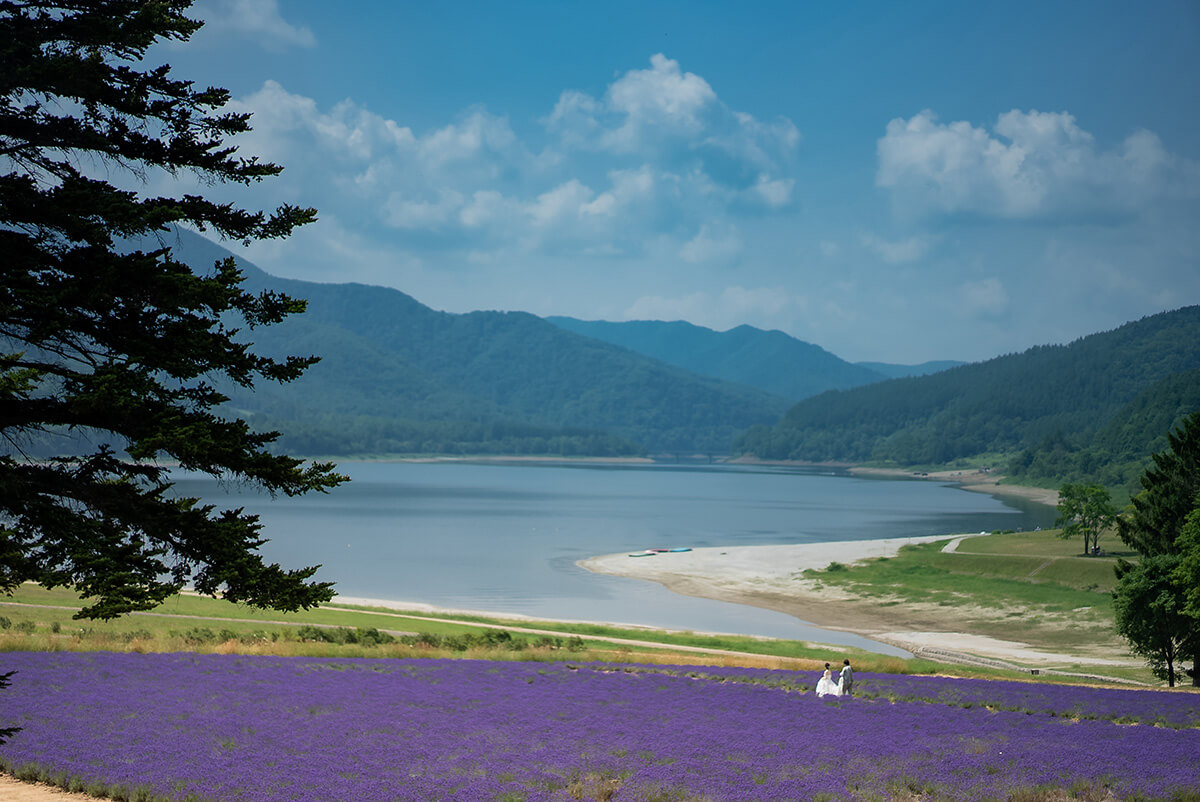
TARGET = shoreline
(973,480)
(770,577)
(976,481)
(766,577)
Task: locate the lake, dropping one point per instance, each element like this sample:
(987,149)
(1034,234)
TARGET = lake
(504,538)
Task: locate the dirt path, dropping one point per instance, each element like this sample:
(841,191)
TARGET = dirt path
(642,644)
(14,790)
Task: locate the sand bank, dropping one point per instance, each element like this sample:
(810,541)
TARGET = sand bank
(977,481)
(771,577)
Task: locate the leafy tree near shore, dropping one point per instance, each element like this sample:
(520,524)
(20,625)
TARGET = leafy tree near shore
(1155,599)
(1149,606)
(123,347)
(1085,509)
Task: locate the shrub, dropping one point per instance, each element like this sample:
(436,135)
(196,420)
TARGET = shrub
(198,635)
(136,634)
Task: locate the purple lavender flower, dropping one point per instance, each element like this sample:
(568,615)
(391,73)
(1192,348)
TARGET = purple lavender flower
(247,729)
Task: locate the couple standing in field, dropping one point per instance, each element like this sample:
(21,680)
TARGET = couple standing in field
(844,685)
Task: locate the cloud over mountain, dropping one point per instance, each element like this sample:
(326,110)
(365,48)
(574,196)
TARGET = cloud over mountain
(1030,165)
(658,156)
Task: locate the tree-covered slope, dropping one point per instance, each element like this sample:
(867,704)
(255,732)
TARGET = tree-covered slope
(1119,451)
(769,360)
(397,374)
(1004,405)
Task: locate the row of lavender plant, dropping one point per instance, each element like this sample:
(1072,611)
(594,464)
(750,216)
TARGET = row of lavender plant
(1178,709)
(251,729)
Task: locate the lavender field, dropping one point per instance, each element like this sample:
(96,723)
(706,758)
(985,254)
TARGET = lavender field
(228,727)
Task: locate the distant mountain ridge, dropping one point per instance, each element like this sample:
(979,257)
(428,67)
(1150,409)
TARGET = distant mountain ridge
(905,371)
(1107,387)
(769,360)
(399,377)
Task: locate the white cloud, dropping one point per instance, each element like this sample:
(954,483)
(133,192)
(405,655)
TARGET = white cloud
(413,214)
(258,19)
(774,192)
(639,108)
(477,135)
(473,184)
(661,99)
(672,118)
(286,124)
(712,244)
(1033,164)
(909,250)
(488,208)
(560,205)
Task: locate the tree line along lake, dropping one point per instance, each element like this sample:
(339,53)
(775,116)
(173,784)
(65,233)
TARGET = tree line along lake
(504,538)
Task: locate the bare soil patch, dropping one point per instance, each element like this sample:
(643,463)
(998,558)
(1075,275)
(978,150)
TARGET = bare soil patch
(14,790)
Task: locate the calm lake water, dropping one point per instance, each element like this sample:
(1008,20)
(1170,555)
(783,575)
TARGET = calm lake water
(505,538)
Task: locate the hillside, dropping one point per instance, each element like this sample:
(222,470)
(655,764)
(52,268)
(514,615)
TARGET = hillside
(769,360)
(1101,390)
(399,377)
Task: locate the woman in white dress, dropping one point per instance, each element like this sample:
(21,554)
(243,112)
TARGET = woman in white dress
(827,687)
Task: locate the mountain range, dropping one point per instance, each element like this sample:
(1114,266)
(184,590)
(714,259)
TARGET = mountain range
(397,377)
(769,360)
(1094,408)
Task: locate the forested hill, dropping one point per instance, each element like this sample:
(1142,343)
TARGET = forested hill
(399,377)
(769,360)
(1048,399)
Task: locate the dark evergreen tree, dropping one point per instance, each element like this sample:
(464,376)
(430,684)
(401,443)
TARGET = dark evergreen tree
(121,347)
(1169,489)
(1151,597)
(1189,563)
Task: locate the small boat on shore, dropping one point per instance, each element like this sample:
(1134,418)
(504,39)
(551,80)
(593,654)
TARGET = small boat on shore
(652,552)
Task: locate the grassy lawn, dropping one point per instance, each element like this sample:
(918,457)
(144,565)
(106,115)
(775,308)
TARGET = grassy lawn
(37,618)
(1044,543)
(1031,587)
(1059,560)
(41,620)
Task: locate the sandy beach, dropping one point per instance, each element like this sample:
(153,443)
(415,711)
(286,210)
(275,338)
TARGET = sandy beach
(771,577)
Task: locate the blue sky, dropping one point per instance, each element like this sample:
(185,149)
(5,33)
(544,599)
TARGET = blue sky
(891,181)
